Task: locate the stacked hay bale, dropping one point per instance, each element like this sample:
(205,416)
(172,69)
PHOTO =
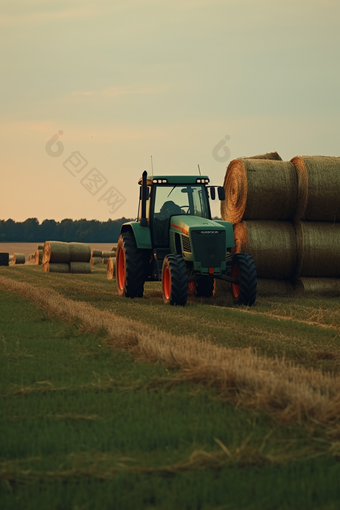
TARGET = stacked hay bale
(38,255)
(96,257)
(106,255)
(61,257)
(285,214)
(18,258)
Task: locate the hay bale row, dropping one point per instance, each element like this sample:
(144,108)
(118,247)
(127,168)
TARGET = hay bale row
(63,253)
(268,189)
(19,258)
(38,257)
(110,271)
(96,253)
(67,267)
(96,260)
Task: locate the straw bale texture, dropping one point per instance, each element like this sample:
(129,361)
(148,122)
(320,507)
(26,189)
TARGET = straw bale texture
(318,249)
(56,252)
(4,259)
(96,253)
(80,252)
(50,267)
(111,268)
(38,257)
(80,267)
(267,288)
(272,245)
(259,189)
(268,155)
(114,248)
(18,258)
(11,258)
(107,254)
(40,247)
(105,260)
(318,286)
(319,188)
(96,260)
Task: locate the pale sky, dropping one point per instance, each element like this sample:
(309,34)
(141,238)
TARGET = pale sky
(172,79)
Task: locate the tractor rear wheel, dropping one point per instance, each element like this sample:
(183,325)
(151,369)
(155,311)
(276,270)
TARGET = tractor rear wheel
(130,267)
(243,267)
(174,280)
(204,286)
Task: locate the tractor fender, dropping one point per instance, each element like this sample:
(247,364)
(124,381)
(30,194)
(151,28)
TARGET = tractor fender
(142,234)
(229,232)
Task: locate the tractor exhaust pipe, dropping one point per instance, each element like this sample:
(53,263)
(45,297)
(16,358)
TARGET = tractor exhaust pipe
(143,220)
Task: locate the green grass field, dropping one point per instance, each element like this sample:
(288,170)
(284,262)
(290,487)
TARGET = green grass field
(86,425)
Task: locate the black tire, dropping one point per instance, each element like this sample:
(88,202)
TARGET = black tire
(174,280)
(130,268)
(204,286)
(243,266)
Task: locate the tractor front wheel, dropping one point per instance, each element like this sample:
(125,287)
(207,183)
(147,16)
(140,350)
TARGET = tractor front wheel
(243,267)
(174,280)
(130,267)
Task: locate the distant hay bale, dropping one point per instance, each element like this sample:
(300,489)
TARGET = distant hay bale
(96,253)
(38,257)
(318,286)
(111,268)
(96,260)
(105,260)
(56,252)
(259,189)
(268,155)
(4,259)
(114,248)
(107,254)
(80,252)
(319,188)
(55,267)
(267,288)
(18,258)
(40,247)
(272,245)
(80,267)
(318,249)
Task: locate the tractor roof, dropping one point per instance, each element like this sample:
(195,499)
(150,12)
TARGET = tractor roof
(176,179)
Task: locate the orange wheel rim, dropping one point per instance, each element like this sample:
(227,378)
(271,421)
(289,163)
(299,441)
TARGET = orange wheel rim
(121,269)
(235,288)
(167,283)
(191,286)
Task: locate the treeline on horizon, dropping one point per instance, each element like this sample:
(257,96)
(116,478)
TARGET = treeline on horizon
(67,230)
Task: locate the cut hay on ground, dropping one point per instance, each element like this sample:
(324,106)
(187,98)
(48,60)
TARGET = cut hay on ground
(80,267)
(259,189)
(268,155)
(272,245)
(38,257)
(79,252)
(55,267)
(319,188)
(96,253)
(96,260)
(111,268)
(267,288)
(318,249)
(56,252)
(318,286)
(18,258)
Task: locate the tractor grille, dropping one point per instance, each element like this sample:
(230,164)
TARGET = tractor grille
(186,244)
(209,247)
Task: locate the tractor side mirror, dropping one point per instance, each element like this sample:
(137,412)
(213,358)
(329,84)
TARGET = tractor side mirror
(212,192)
(221,193)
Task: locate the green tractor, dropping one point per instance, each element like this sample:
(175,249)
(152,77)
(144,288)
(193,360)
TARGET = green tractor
(174,240)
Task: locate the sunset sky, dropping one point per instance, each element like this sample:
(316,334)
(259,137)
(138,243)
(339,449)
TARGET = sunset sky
(173,79)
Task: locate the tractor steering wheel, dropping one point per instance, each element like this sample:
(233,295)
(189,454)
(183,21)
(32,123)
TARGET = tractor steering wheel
(188,206)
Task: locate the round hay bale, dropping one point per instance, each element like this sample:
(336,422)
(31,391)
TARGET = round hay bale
(11,258)
(18,258)
(55,267)
(318,286)
(321,177)
(259,189)
(114,248)
(80,267)
(96,253)
(104,260)
(272,245)
(107,254)
(40,247)
(318,249)
(4,259)
(56,252)
(267,288)
(80,252)
(268,155)
(96,260)
(111,263)
(38,257)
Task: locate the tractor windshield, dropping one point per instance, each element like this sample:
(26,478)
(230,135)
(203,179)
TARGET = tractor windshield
(188,199)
